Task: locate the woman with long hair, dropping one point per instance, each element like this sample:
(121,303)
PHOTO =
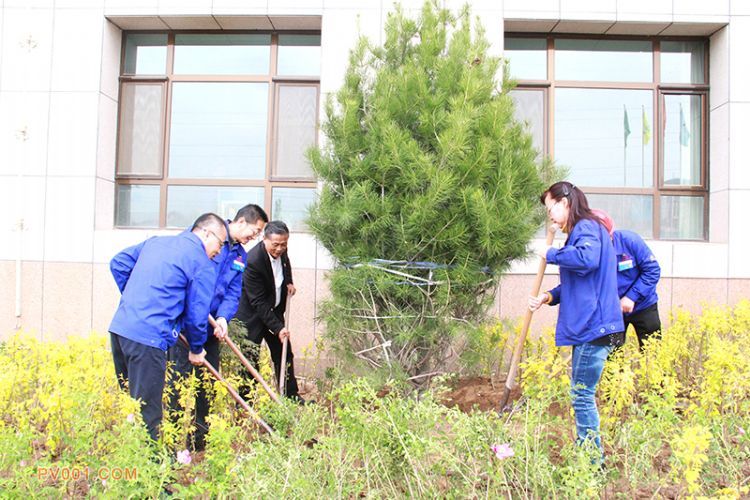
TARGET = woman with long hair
(590,319)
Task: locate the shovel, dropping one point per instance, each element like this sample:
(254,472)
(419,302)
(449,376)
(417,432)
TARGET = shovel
(256,375)
(516,359)
(284,346)
(231,390)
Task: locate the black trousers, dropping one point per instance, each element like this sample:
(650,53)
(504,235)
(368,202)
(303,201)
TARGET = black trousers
(182,368)
(646,323)
(252,353)
(142,367)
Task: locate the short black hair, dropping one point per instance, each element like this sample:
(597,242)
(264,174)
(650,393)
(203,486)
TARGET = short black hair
(251,213)
(207,220)
(276,227)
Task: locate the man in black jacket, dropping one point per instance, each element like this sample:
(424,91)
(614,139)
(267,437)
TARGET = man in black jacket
(266,283)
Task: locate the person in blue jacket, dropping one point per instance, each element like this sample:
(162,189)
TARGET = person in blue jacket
(230,264)
(638,273)
(166,284)
(590,319)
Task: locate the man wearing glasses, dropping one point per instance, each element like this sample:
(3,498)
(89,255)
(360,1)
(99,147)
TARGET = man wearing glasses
(166,284)
(230,264)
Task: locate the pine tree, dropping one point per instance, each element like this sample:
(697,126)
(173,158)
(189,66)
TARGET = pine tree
(430,190)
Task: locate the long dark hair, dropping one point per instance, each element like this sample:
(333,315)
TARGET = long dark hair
(577,203)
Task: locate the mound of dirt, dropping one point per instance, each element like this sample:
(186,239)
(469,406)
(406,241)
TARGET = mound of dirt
(478,393)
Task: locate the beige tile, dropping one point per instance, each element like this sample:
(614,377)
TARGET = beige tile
(301,318)
(719,152)
(701,8)
(542,9)
(69,232)
(67,299)
(131,7)
(340,31)
(73,133)
(111,48)
(739,289)
(664,291)
(105,298)
(105,204)
(594,10)
(77,50)
(30,320)
(718,218)
(240,7)
(106,145)
(739,73)
(26,47)
(739,146)
(22,200)
(693,294)
(739,236)
(292,7)
(719,67)
(23,132)
(644,10)
(185,7)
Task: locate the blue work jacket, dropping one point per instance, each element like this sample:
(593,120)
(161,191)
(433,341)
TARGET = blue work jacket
(230,264)
(638,272)
(166,284)
(587,293)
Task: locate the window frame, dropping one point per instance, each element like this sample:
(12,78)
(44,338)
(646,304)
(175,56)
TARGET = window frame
(659,90)
(269,181)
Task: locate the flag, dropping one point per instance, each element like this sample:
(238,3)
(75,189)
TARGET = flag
(684,132)
(646,127)
(626,124)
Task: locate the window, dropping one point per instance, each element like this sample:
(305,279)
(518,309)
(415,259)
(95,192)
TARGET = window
(209,122)
(627,118)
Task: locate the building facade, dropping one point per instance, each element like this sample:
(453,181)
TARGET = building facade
(122,119)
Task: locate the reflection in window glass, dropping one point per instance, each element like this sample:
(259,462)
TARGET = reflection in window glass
(603,60)
(186,203)
(530,110)
(682,218)
(146,54)
(632,212)
(299,55)
(683,62)
(527,58)
(290,205)
(222,54)
(297,114)
(682,140)
(137,206)
(604,136)
(218,130)
(140,150)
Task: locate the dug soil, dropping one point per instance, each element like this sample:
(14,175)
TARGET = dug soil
(478,393)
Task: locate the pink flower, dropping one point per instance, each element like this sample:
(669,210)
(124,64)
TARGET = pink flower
(184,457)
(740,431)
(502,451)
(104,483)
(130,418)
(23,463)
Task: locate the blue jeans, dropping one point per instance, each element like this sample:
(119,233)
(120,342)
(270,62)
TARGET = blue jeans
(588,364)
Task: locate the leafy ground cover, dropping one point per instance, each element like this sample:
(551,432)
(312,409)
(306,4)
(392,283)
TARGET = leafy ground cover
(674,419)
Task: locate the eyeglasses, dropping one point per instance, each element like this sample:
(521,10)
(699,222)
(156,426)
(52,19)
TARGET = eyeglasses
(221,242)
